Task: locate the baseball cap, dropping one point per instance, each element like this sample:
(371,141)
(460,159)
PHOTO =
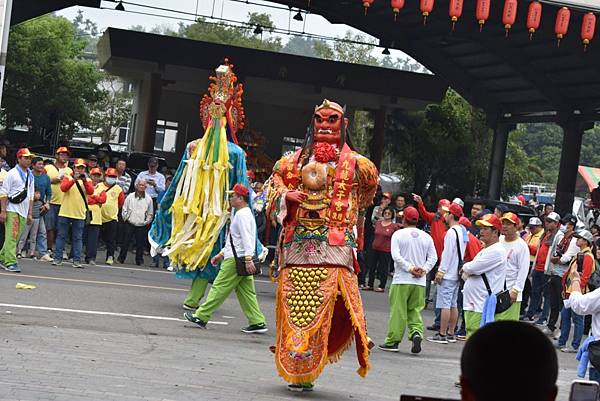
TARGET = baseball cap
(92,157)
(387,195)
(490,220)
(443,202)
(535,222)
(411,214)
(459,202)
(79,162)
(586,235)
(555,217)
(111,172)
(63,149)
(463,221)
(24,152)
(569,218)
(454,209)
(96,170)
(510,216)
(239,189)
(502,207)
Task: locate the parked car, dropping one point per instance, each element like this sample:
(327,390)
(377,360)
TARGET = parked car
(524,212)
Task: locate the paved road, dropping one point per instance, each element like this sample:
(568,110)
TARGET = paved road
(116,333)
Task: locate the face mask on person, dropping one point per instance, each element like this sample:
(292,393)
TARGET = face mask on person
(111,180)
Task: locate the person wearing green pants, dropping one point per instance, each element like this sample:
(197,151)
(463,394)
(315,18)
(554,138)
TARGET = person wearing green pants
(517,266)
(491,261)
(240,241)
(16,202)
(414,256)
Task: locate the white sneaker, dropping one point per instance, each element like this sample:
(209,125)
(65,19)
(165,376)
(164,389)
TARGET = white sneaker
(568,350)
(548,332)
(110,260)
(46,258)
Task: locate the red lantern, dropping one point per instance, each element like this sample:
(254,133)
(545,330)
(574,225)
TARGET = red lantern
(588,29)
(397,5)
(456,9)
(563,17)
(534,17)
(366,4)
(426,9)
(509,16)
(482,12)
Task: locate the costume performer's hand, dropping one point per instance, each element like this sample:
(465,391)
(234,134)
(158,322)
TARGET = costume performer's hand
(295,196)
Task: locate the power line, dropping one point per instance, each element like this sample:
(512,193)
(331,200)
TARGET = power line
(235,23)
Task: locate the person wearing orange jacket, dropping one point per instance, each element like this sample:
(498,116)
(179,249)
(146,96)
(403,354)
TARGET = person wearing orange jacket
(584,263)
(72,212)
(115,198)
(438,232)
(95,202)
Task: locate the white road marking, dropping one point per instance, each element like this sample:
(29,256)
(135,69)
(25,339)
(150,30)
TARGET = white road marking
(91,312)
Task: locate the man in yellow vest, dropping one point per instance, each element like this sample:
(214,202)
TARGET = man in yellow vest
(75,188)
(56,172)
(115,198)
(95,203)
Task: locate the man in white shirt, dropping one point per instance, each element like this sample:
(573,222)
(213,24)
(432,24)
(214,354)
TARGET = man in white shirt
(16,200)
(517,266)
(242,236)
(137,215)
(490,261)
(414,256)
(455,244)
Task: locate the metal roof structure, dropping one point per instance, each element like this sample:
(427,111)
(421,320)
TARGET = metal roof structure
(514,79)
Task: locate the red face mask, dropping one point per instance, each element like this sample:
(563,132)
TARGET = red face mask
(328,126)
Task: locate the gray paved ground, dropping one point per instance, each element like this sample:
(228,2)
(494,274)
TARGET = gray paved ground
(65,352)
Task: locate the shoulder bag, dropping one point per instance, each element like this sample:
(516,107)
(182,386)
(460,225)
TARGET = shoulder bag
(88,212)
(21,196)
(240,263)
(503,301)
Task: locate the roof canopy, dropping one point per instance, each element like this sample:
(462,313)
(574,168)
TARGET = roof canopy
(513,78)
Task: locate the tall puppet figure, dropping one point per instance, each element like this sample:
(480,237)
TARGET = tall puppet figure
(188,226)
(320,192)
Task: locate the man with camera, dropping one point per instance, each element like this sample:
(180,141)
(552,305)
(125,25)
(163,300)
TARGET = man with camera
(16,200)
(73,212)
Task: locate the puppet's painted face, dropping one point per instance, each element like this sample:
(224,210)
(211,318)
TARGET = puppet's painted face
(328,126)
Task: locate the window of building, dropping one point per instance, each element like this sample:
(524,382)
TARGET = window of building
(166,136)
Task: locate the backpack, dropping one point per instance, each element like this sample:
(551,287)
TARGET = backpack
(594,280)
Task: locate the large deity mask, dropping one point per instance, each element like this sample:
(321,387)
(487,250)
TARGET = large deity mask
(224,99)
(329,123)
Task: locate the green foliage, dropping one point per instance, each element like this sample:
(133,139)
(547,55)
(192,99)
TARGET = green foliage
(235,36)
(113,109)
(48,84)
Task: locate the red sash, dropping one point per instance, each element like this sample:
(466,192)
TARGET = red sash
(340,202)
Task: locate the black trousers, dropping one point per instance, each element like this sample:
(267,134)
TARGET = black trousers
(526,296)
(379,264)
(91,247)
(109,236)
(362,262)
(553,293)
(139,233)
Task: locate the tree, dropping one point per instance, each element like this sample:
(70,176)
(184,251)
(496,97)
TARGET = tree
(113,110)
(48,84)
(236,36)
(86,30)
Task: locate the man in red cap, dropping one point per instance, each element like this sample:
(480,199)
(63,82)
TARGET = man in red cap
(115,198)
(414,255)
(517,267)
(56,172)
(455,243)
(16,200)
(73,212)
(491,263)
(240,244)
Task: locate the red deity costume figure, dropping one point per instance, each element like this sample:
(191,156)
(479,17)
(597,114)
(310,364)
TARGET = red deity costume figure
(319,193)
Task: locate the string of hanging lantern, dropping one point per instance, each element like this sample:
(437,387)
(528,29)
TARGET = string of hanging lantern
(509,16)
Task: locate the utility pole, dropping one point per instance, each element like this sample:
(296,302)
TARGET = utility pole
(5,14)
